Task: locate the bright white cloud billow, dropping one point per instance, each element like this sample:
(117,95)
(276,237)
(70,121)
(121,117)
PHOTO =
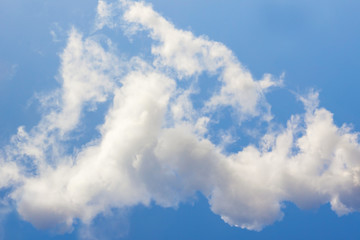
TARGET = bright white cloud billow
(154,145)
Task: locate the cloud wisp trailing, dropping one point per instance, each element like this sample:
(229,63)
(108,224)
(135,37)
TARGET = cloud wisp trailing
(155,146)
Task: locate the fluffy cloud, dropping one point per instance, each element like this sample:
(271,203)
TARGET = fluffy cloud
(189,55)
(154,145)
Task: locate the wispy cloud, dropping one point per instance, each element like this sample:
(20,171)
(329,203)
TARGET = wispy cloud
(155,146)
(7,71)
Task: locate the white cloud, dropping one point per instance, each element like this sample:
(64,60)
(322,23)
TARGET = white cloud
(87,76)
(9,173)
(104,15)
(154,145)
(189,56)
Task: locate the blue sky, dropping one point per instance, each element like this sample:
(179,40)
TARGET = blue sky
(179,119)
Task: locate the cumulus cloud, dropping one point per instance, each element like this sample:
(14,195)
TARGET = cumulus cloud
(155,146)
(189,55)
